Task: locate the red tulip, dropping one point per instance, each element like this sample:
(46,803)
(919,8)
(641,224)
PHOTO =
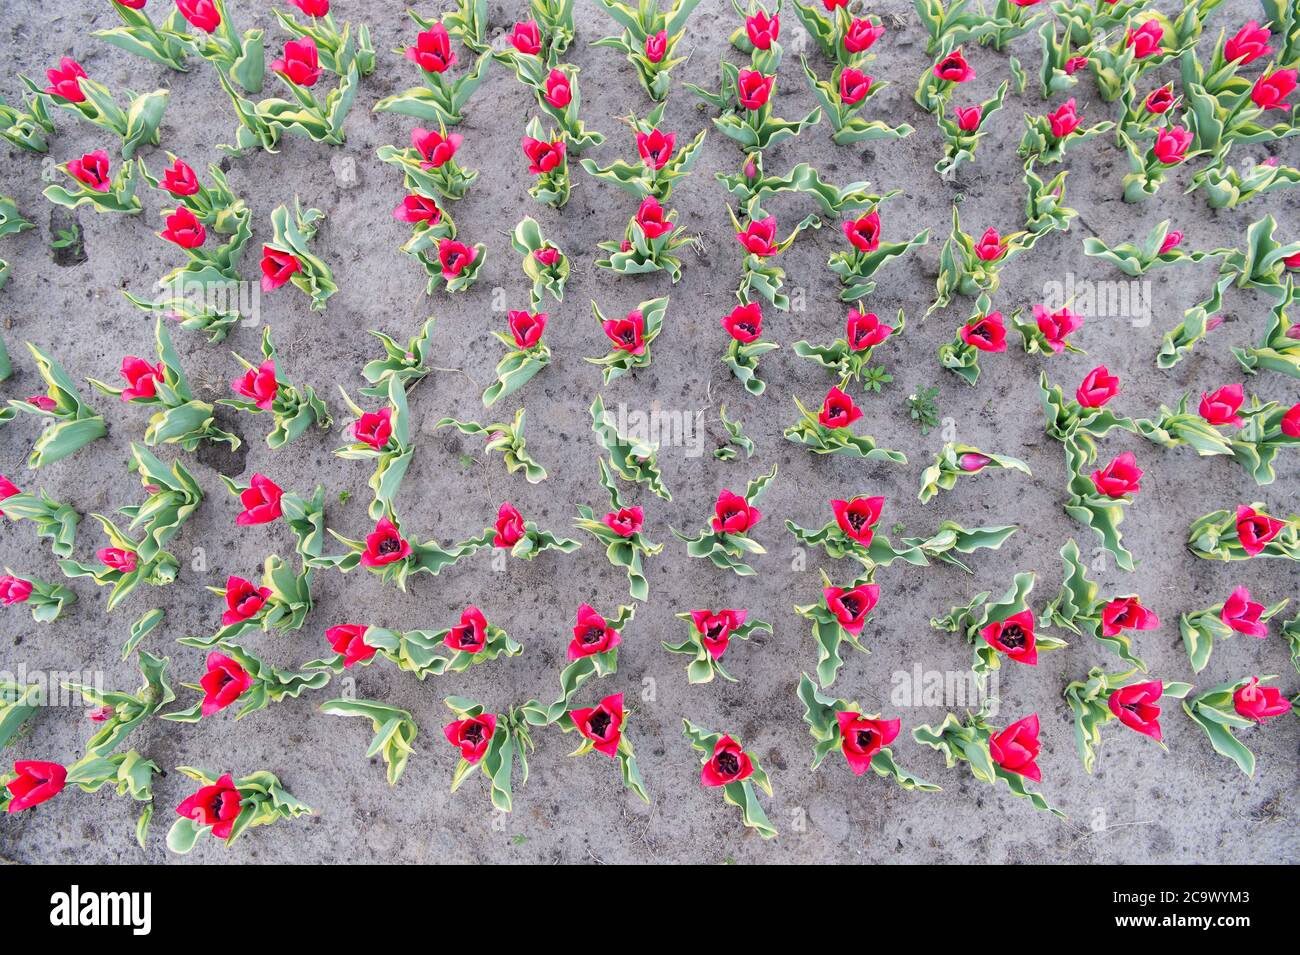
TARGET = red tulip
(715,628)
(258,385)
(753,89)
(863,232)
(744,323)
(655,148)
(1016,748)
(732,514)
(651,219)
(542,156)
(300,64)
(116,558)
(862,738)
(7,489)
(217,805)
(558,90)
(850,607)
(1057,326)
(374,428)
(509,526)
(1242,615)
(313,8)
(244,600)
(1254,530)
(455,257)
(762,30)
(865,330)
(1247,45)
(759,237)
(1271,90)
(349,640)
(728,764)
(602,724)
(592,634)
(968,117)
(1138,707)
(224,683)
(857,518)
(14,590)
(1173,239)
(470,635)
(471,735)
(526,327)
(1126,613)
(65,80)
(990,247)
(986,333)
(854,86)
(261,502)
(432,51)
(834,4)
(141,378)
(1290,422)
(1097,388)
(92,170)
(548,256)
(1292,262)
(184,229)
(1259,703)
(1014,637)
(179,179)
(202,14)
(953,68)
(1171,145)
(625,522)
(1159,100)
(861,34)
(1220,406)
(656,45)
(435,149)
(626,334)
(972,462)
(526,38)
(838,410)
(1120,477)
(43,402)
(1074,64)
(36,782)
(101,714)
(277,268)
(1064,120)
(1145,40)
(385,544)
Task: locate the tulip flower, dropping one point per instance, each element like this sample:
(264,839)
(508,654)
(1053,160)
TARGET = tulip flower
(313,8)
(1171,145)
(728,764)
(762,30)
(1247,45)
(374,428)
(854,86)
(526,327)
(625,522)
(1138,707)
(1160,100)
(1290,424)
(300,64)
(432,51)
(217,805)
(656,45)
(14,590)
(179,179)
(858,517)
(559,92)
(1220,407)
(349,640)
(838,410)
(1259,703)
(202,14)
(1064,120)
(509,527)
(184,229)
(455,257)
(655,148)
(744,323)
(1016,748)
(990,247)
(471,736)
(1242,615)
(92,170)
(526,38)
(652,220)
(953,68)
(1120,477)
(470,635)
(1098,387)
(385,545)
(862,738)
(987,333)
(261,502)
(117,558)
(968,118)
(224,683)
(1126,613)
(602,724)
(1255,530)
(1014,636)
(1056,327)
(34,783)
(851,606)
(141,378)
(244,601)
(277,268)
(759,237)
(65,80)
(1145,40)
(861,35)
(733,514)
(863,233)
(754,89)
(592,634)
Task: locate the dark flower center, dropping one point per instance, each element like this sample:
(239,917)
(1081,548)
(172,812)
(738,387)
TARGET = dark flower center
(627,336)
(728,764)
(473,733)
(982,331)
(389,545)
(592,635)
(863,738)
(714,630)
(599,724)
(851,604)
(857,520)
(1013,637)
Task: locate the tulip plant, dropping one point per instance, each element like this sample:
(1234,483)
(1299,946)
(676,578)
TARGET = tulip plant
(960,460)
(630,337)
(394,728)
(286,258)
(1009,754)
(409,365)
(264,502)
(1045,208)
(736,440)
(383,436)
(522,538)
(544,264)
(659,164)
(1077,608)
(1148,166)
(1162,246)
(490,742)
(620,530)
(1047,137)
(53,520)
(1080,420)
(752,187)
(850,357)
(970,267)
(711,632)
(227,807)
(527,356)
(1237,614)
(556,90)
(441,99)
(294,410)
(45,601)
(281,602)
(649,37)
(935,88)
(649,244)
(726,540)
(1104,696)
(425,653)
(432,231)
(540,42)
(759,276)
(728,766)
(864,740)
(394,557)
(744,99)
(826,431)
(963,129)
(180,418)
(858,265)
(548,163)
(429,164)
(238,58)
(958,21)
(506,437)
(1005,627)
(18,703)
(632,459)
(338,46)
(602,730)
(121,566)
(593,651)
(93,185)
(73,423)
(1241,704)
(1279,348)
(1247,532)
(1098,499)
(236,677)
(745,326)
(843,97)
(174,497)
(28,126)
(839,619)
(11,223)
(73,90)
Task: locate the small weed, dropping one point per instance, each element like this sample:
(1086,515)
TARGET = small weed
(69,238)
(873,379)
(923,408)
